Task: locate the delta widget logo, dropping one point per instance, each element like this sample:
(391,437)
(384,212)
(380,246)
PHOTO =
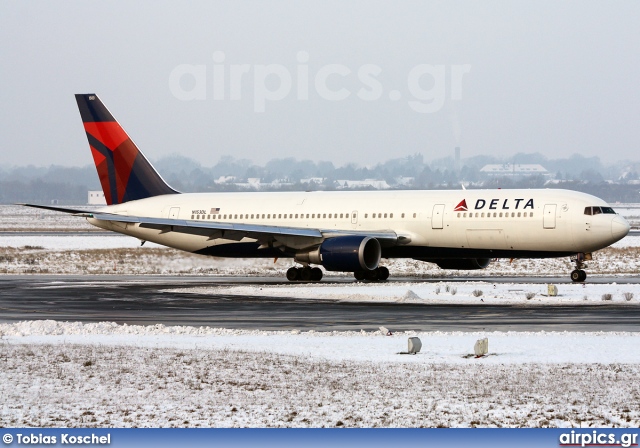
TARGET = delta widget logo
(461,207)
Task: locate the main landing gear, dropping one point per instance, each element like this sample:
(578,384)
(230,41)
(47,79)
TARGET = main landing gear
(378,274)
(305,274)
(578,274)
(309,274)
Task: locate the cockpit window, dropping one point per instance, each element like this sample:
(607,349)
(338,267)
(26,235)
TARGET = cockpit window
(597,210)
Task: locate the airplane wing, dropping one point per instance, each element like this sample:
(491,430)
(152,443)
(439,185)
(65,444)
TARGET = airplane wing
(229,230)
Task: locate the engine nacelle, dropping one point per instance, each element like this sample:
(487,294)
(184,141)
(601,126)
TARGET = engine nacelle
(463,264)
(345,253)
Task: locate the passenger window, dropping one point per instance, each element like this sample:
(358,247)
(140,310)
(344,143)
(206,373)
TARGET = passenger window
(192,216)
(501,214)
(324,215)
(391,215)
(385,215)
(414,215)
(458,215)
(365,215)
(464,215)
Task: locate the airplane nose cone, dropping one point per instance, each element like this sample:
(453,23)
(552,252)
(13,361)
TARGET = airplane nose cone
(619,228)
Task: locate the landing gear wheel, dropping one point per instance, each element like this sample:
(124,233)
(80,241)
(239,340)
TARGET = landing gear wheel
(305,274)
(372,275)
(578,275)
(383,273)
(293,274)
(360,275)
(316,274)
(575,275)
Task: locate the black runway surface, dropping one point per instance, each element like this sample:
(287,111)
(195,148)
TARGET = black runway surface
(144,300)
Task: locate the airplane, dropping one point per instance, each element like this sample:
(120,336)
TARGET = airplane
(345,231)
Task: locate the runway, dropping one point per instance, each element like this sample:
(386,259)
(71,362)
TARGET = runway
(143,300)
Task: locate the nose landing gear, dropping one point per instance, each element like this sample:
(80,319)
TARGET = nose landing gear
(578,274)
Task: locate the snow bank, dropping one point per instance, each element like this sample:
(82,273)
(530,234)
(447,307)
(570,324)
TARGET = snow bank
(102,375)
(438,347)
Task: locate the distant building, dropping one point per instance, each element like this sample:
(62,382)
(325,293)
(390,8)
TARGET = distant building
(96,198)
(367,183)
(315,180)
(225,180)
(514,169)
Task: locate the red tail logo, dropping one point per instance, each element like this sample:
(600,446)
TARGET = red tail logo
(461,207)
(125,174)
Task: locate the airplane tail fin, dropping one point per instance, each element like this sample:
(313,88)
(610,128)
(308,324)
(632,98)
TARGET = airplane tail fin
(124,172)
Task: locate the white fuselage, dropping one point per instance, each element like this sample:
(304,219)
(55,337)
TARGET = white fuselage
(500,222)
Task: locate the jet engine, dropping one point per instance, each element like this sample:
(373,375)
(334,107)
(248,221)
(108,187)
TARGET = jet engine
(344,253)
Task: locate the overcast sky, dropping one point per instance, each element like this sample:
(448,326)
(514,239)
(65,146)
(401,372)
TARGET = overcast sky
(355,81)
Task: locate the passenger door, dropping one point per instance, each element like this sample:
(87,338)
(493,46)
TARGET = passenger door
(174,212)
(549,216)
(437,218)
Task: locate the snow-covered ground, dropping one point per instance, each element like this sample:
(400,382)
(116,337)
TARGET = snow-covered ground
(20,218)
(62,254)
(70,374)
